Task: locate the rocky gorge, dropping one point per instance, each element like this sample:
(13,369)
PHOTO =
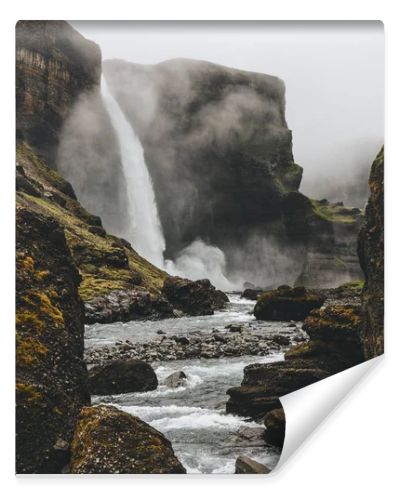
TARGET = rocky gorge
(123,368)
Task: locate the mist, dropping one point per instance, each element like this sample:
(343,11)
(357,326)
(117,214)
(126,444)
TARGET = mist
(326,86)
(333,73)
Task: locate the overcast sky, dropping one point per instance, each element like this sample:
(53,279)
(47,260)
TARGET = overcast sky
(333,72)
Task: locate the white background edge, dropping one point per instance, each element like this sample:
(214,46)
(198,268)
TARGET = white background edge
(355,451)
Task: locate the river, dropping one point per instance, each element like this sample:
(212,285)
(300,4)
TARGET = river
(193,417)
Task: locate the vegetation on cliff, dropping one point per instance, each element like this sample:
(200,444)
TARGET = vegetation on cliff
(51,378)
(106,263)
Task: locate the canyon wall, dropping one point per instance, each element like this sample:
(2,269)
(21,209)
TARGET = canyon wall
(371,252)
(54,64)
(220,154)
(216,143)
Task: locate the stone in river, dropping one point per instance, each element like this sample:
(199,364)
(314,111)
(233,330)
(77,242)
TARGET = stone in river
(286,303)
(122,376)
(245,465)
(275,423)
(176,379)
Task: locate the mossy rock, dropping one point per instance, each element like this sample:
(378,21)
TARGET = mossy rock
(106,263)
(286,303)
(110,441)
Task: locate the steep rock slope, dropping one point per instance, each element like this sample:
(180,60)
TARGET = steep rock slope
(107,264)
(371,251)
(51,378)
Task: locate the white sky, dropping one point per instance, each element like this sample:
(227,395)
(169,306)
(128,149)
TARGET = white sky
(334,76)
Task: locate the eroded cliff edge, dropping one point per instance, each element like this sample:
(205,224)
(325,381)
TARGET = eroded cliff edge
(55,64)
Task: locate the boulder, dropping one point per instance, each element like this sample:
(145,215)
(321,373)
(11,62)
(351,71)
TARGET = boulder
(245,465)
(127,305)
(275,423)
(334,333)
(122,376)
(253,436)
(110,441)
(176,379)
(195,298)
(252,293)
(286,303)
(264,384)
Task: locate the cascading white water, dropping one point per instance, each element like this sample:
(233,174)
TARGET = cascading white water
(198,260)
(145,232)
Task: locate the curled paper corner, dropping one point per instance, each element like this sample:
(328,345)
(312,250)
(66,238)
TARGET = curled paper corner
(307,408)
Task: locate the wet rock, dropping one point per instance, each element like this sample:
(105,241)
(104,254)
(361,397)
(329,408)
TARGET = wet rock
(161,332)
(109,441)
(235,328)
(264,384)
(220,338)
(183,340)
(194,345)
(253,435)
(245,465)
(334,333)
(195,298)
(127,305)
(122,376)
(281,340)
(176,379)
(252,293)
(286,303)
(275,423)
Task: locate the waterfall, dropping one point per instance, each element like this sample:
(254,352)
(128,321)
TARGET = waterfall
(197,260)
(145,231)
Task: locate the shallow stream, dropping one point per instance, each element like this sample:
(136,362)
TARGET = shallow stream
(193,417)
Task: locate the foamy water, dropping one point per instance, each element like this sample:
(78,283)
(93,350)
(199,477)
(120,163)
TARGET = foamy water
(193,417)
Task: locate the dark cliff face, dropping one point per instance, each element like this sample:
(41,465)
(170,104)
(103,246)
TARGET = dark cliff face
(371,252)
(54,64)
(216,143)
(51,378)
(220,155)
(326,236)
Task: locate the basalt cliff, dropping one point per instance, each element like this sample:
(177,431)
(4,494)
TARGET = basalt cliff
(219,151)
(347,330)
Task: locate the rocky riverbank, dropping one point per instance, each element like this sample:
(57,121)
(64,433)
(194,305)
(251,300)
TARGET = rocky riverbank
(233,341)
(345,331)
(332,345)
